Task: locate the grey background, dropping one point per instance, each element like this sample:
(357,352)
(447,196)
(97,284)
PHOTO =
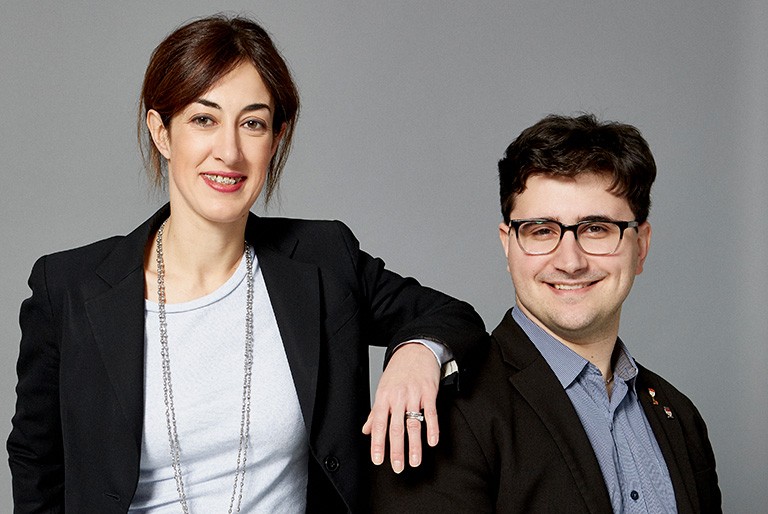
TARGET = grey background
(407,108)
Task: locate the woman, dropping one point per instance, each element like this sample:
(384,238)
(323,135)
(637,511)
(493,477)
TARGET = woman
(212,359)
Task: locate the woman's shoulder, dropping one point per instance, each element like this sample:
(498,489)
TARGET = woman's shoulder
(86,257)
(301,225)
(325,243)
(85,251)
(278,230)
(121,253)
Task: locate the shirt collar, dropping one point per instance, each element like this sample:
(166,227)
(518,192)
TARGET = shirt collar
(567,364)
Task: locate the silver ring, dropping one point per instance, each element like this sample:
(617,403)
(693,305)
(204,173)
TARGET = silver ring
(409,414)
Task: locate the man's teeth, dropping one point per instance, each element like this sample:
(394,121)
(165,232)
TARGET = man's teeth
(229,181)
(569,287)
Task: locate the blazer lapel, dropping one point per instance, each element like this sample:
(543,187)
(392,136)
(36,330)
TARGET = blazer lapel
(294,291)
(116,316)
(116,313)
(672,443)
(536,382)
(117,322)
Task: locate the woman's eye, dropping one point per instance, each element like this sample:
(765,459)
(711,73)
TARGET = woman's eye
(255,125)
(202,121)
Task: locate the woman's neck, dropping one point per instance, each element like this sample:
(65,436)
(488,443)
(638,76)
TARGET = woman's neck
(198,257)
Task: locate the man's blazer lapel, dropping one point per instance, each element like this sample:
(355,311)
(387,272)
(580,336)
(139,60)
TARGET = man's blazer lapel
(538,385)
(669,434)
(294,291)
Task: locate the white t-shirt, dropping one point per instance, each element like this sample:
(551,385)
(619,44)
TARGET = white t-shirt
(206,341)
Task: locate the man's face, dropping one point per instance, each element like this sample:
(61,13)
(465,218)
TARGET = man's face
(575,296)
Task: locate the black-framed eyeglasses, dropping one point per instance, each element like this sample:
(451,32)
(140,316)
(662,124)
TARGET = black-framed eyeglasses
(595,237)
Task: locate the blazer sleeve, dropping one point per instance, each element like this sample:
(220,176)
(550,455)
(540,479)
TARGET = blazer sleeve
(401,309)
(35,448)
(703,461)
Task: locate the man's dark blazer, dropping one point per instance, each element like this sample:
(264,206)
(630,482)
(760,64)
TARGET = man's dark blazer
(511,441)
(76,438)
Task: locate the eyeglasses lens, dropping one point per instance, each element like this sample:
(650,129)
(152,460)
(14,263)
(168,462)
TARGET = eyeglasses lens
(594,237)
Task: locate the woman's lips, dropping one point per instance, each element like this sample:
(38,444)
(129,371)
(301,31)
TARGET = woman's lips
(224,182)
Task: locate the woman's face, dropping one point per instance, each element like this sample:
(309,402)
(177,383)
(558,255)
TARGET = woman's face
(218,148)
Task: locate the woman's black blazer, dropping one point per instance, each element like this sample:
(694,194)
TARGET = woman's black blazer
(76,438)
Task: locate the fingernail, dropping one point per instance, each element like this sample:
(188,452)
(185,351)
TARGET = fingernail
(433,440)
(414,460)
(377,458)
(397,466)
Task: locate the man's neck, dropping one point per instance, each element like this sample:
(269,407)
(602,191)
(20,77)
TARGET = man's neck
(595,347)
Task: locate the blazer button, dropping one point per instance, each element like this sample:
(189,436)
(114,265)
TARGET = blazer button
(331,463)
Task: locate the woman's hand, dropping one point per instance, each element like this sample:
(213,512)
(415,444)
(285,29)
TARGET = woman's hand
(409,384)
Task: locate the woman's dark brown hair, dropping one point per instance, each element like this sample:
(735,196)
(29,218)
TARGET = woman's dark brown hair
(193,59)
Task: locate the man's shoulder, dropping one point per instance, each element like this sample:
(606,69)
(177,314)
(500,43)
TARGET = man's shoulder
(649,380)
(672,402)
(487,375)
(487,396)
(508,352)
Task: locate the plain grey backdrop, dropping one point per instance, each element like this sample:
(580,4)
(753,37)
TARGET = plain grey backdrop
(407,108)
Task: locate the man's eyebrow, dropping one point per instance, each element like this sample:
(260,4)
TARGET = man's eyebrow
(597,217)
(587,218)
(247,108)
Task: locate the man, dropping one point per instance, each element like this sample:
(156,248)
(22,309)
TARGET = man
(560,418)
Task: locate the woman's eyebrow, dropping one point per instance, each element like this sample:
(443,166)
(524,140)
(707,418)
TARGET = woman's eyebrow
(247,108)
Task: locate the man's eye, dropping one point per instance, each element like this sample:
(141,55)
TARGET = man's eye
(596,229)
(540,231)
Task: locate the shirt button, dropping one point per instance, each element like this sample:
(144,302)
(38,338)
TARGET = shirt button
(331,463)
(634,495)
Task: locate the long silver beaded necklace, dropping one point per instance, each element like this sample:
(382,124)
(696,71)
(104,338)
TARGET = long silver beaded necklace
(170,413)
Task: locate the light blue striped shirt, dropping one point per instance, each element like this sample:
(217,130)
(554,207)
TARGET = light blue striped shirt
(630,459)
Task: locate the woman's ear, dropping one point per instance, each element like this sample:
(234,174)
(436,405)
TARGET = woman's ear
(159,133)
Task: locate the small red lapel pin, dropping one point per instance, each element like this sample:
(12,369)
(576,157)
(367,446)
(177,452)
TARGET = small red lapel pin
(652,392)
(668,412)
